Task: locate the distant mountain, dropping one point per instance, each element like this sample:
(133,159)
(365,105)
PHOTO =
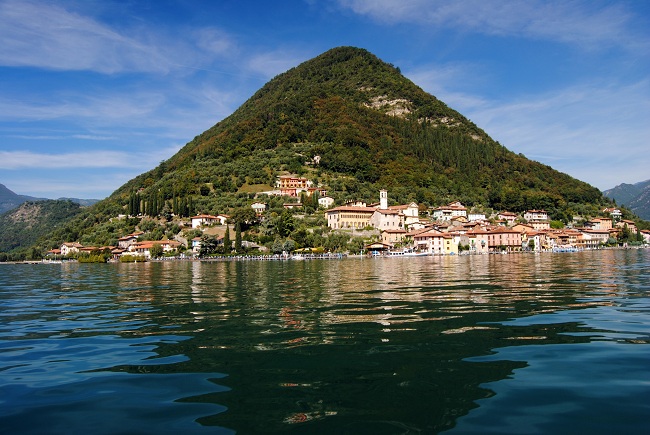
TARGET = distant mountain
(23,225)
(10,200)
(634,196)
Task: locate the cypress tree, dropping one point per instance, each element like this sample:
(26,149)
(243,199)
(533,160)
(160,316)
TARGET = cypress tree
(238,247)
(226,240)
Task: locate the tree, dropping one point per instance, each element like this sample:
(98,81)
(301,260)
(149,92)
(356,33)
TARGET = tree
(288,245)
(238,246)
(208,245)
(356,245)
(227,243)
(245,217)
(278,246)
(337,241)
(624,235)
(285,224)
(166,212)
(156,251)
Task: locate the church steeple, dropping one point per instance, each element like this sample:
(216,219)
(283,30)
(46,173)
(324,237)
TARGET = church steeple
(383,199)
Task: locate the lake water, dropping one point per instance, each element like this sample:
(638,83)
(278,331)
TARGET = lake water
(548,343)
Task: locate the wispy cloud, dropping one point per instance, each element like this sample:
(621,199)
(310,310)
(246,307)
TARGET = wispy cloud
(15,160)
(584,130)
(46,35)
(596,131)
(558,20)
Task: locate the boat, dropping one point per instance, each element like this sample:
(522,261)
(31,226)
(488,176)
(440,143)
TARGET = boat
(407,253)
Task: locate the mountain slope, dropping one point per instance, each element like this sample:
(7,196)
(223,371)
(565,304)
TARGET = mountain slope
(23,226)
(634,196)
(353,124)
(10,200)
(371,127)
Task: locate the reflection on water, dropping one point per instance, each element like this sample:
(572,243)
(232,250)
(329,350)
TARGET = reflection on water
(498,343)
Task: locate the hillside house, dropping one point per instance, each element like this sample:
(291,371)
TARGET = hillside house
(538,219)
(508,217)
(504,238)
(592,238)
(325,201)
(289,185)
(411,213)
(384,219)
(259,208)
(143,248)
(599,224)
(203,220)
(614,213)
(391,237)
(476,217)
(70,248)
(449,211)
(631,226)
(349,217)
(128,240)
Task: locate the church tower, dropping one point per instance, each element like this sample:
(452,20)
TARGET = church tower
(383,199)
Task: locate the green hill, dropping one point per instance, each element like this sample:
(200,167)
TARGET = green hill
(24,225)
(351,123)
(371,127)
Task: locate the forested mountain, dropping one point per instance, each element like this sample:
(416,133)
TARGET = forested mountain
(634,196)
(371,127)
(23,226)
(353,124)
(10,200)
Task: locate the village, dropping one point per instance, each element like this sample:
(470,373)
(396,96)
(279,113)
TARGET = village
(395,230)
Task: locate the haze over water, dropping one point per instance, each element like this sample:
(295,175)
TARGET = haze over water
(548,343)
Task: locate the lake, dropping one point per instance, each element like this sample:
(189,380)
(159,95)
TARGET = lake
(528,343)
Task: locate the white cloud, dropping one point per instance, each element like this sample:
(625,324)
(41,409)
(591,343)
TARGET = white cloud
(47,35)
(560,20)
(439,81)
(15,160)
(91,159)
(596,133)
(94,186)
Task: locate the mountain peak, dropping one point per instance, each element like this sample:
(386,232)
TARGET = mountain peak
(368,124)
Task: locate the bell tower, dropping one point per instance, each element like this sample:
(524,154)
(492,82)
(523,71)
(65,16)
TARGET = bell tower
(383,199)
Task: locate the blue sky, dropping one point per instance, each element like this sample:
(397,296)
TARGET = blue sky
(95,92)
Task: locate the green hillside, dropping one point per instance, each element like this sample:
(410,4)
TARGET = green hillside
(371,127)
(368,127)
(24,225)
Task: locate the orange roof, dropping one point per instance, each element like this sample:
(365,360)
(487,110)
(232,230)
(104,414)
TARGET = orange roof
(351,208)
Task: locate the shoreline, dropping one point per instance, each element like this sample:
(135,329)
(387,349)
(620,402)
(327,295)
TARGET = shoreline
(300,257)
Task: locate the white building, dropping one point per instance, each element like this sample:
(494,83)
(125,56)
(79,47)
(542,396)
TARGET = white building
(325,201)
(450,211)
(204,220)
